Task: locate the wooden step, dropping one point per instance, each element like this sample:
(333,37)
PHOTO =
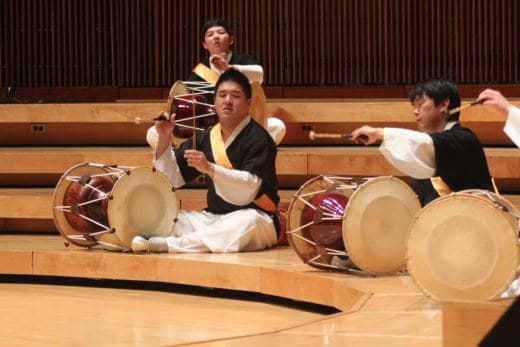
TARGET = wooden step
(30,209)
(43,166)
(114,123)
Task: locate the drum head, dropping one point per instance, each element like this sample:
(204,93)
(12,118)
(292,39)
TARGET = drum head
(376,222)
(178,88)
(143,203)
(60,219)
(316,255)
(462,246)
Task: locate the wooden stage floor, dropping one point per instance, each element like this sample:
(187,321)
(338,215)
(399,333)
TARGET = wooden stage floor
(373,311)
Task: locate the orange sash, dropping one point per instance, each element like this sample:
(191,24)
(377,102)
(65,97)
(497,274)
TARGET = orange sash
(218,149)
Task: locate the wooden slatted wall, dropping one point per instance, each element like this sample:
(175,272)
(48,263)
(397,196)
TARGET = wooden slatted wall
(152,43)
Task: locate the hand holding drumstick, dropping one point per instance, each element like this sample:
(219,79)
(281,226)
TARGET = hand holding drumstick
(367,135)
(198,160)
(495,99)
(219,61)
(164,124)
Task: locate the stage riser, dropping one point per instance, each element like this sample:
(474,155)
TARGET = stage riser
(115,123)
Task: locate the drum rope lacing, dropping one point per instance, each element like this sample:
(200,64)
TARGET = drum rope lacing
(116,170)
(334,186)
(195,88)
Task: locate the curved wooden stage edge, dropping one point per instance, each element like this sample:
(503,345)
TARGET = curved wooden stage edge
(375,311)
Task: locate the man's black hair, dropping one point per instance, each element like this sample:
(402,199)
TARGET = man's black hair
(214,22)
(439,90)
(238,77)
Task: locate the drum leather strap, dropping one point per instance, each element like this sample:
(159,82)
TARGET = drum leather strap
(219,153)
(440,186)
(205,73)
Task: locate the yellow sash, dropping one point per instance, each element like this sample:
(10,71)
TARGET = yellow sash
(205,73)
(218,149)
(440,186)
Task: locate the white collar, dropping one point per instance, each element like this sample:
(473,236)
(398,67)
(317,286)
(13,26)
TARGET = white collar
(237,130)
(450,125)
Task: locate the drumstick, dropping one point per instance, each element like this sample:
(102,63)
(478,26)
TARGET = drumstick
(460,108)
(313,135)
(194,134)
(138,120)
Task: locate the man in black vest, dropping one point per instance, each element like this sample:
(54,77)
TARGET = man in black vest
(443,156)
(238,156)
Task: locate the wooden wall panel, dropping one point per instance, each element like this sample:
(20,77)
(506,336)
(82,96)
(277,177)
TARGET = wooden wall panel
(152,43)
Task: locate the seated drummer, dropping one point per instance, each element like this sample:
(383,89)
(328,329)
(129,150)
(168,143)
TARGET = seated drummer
(217,37)
(443,156)
(512,113)
(238,156)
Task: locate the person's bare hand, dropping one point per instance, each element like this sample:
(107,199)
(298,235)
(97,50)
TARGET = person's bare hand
(495,99)
(219,62)
(197,160)
(164,124)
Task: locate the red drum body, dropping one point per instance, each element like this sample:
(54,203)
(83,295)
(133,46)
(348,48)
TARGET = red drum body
(191,111)
(352,224)
(324,216)
(77,194)
(95,204)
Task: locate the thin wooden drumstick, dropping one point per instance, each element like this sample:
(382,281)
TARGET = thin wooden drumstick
(313,135)
(138,120)
(460,108)
(194,134)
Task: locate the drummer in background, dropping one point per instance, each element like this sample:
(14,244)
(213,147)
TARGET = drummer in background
(217,37)
(497,100)
(238,156)
(443,156)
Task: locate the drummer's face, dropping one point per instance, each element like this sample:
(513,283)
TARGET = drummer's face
(217,40)
(429,117)
(231,104)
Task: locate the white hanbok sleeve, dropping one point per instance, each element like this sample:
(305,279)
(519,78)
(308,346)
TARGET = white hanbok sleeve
(411,152)
(235,186)
(167,164)
(512,126)
(253,72)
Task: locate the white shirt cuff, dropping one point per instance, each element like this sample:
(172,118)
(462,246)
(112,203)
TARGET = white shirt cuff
(512,126)
(253,72)
(235,186)
(167,164)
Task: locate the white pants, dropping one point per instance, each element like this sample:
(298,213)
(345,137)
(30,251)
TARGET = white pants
(242,230)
